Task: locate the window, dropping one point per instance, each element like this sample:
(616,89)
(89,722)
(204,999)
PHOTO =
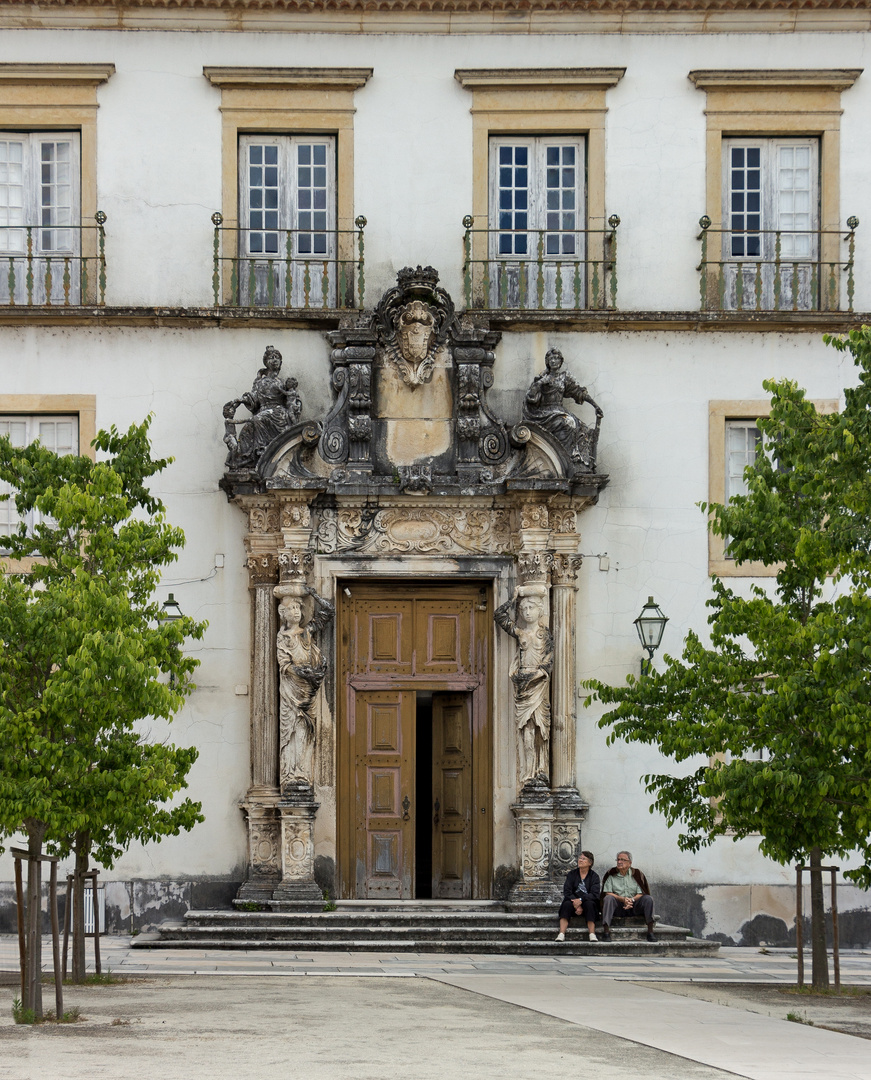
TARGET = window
(734,442)
(57,433)
(771,211)
(39,217)
(48,184)
(743,444)
(773,237)
(298,199)
(537,220)
(287,190)
(538,235)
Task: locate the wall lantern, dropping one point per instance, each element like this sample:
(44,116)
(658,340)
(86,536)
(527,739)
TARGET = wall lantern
(170,612)
(650,625)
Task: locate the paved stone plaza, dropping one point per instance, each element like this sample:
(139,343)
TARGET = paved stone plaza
(233,1014)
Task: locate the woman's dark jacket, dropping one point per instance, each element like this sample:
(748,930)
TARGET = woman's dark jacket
(594,885)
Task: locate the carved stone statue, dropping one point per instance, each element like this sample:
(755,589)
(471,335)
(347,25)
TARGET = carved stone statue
(274,405)
(301,669)
(543,405)
(530,675)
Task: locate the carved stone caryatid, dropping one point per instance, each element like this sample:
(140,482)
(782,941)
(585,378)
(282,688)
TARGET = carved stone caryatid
(523,617)
(543,405)
(301,670)
(274,405)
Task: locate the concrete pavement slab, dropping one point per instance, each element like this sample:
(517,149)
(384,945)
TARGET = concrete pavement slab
(747,1044)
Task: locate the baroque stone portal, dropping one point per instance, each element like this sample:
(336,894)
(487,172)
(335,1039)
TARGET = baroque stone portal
(411,472)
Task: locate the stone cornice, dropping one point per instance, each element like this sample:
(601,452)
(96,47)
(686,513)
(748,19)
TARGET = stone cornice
(444,17)
(538,78)
(275,78)
(56,74)
(449,5)
(776,79)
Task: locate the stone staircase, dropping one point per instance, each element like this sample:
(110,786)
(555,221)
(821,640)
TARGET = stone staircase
(422,926)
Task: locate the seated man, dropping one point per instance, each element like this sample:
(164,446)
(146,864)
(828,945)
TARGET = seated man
(625,892)
(580,896)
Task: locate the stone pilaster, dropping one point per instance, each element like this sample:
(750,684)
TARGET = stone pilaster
(264,680)
(564,575)
(297,853)
(264,853)
(548,839)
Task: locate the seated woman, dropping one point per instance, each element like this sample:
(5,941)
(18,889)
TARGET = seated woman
(580,896)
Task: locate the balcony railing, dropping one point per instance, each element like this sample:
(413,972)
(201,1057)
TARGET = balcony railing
(776,269)
(304,269)
(53,265)
(548,269)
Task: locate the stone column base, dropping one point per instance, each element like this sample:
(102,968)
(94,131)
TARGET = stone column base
(297,812)
(264,850)
(548,838)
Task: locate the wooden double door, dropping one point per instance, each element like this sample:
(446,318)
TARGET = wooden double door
(414,745)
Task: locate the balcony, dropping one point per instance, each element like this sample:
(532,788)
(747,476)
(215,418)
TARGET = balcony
(290,269)
(540,269)
(45,266)
(776,270)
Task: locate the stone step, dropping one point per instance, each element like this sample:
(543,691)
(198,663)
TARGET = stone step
(421,918)
(303,934)
(573,946)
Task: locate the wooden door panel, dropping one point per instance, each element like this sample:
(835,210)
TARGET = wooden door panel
(452,796)
(384,767)
(383,636)
(442,637)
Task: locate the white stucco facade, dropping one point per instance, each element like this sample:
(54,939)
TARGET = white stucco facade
(654,366)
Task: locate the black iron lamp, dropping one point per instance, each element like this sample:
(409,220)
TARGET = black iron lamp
(170,612)
(650,624)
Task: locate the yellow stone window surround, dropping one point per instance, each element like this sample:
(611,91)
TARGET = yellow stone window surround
(774,103)
(289,101)
(59,97)
(538,101)
(719,413)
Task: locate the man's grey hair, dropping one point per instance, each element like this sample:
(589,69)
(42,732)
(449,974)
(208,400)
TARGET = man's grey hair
(628,854)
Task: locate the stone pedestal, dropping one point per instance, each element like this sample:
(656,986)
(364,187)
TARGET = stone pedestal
(297,813)
(548,837)
(264,852)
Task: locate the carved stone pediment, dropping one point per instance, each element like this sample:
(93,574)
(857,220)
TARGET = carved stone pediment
(410,415)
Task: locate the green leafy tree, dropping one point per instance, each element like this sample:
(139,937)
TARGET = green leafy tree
(770,720)
(85,660)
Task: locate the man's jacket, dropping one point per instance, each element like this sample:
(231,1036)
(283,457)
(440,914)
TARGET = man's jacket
(640,879)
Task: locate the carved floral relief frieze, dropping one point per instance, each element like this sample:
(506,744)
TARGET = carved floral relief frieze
(424,530)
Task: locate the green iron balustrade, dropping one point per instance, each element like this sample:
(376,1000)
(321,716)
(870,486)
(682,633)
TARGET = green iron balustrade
(543,277)
(51,265)
(287,278)
(776,280)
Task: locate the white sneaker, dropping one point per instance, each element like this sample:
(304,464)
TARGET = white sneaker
(560,937)
(593,937)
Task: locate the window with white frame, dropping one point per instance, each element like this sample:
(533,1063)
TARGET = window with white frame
(771,219)
(287,215)
(743,445)
(537,220)
(40,207)
(57,433)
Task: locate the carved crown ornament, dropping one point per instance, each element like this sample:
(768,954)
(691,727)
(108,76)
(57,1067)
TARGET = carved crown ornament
(410,416)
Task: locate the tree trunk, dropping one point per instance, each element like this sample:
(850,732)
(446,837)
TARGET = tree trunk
(82,849)
(33,928)
(818,924)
